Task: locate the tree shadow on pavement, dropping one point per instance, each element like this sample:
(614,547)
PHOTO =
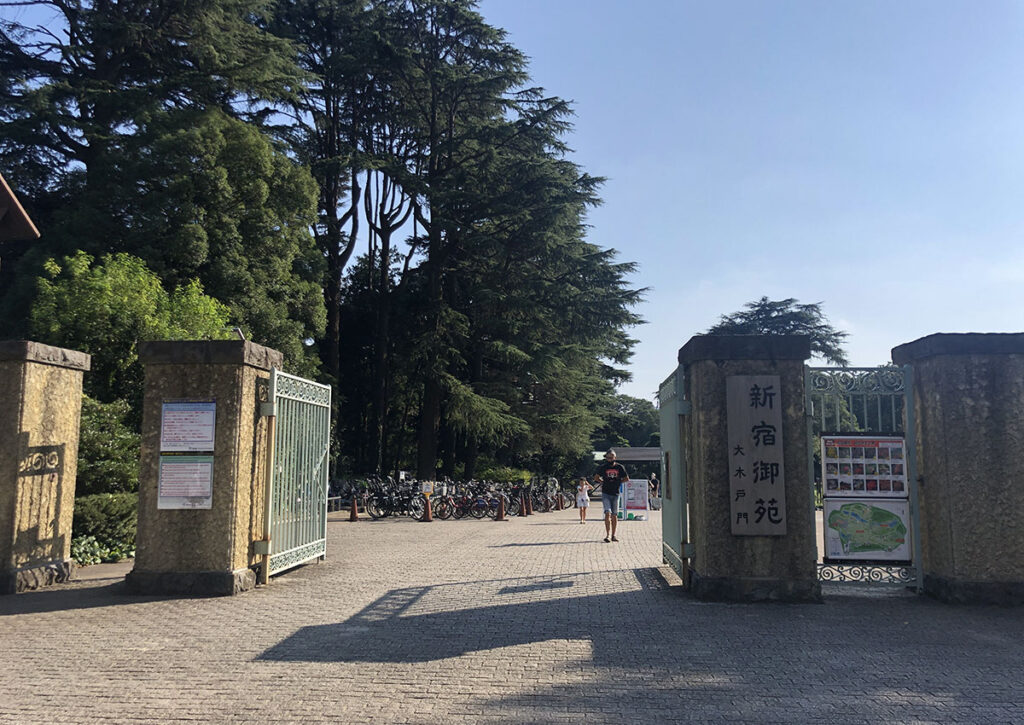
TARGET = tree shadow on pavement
(422,624)
(655,651)
(540,543)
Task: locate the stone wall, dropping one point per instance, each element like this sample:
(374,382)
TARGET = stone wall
(41,395)
(968,403)
(746,568)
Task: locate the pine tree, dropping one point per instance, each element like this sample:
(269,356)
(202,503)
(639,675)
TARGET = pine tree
(120,116)
(786,317)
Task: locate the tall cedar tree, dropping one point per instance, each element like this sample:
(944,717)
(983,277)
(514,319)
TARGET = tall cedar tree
(456,81)
(324,122)
(123,128)
(511,321)
(786,317)
(105,114)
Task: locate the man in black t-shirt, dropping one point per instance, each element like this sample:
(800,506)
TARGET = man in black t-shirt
(611,475)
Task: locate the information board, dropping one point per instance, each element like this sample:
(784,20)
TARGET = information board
(864,466)
(636,495)
(757,477)
(188,426)
(868,529)
(188,430)
(186,482)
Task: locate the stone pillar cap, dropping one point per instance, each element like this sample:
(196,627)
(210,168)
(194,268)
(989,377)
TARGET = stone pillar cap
(209,352)
(959,343)
(28,351)
(745,347)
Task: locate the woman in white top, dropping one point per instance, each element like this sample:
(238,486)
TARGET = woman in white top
(583,498)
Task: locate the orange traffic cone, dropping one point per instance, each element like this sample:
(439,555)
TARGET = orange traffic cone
(353,513)
(501,509)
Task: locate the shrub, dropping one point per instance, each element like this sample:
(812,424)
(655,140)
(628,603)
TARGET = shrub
(104,527)
(504,474)
(108,450)
(87,551)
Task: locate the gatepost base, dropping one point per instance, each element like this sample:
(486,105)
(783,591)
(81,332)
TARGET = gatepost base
(957,591)
(754,589)
(194,583)
(37,576)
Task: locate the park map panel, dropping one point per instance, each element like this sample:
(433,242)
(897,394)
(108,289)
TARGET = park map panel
(866,507)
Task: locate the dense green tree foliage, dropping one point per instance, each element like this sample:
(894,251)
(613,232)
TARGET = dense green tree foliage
(628,421)
(218,203)
(786,317)
(370,186)
(108,449)
(115,119)
(106,309)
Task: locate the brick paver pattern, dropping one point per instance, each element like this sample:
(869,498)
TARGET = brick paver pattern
(531,621)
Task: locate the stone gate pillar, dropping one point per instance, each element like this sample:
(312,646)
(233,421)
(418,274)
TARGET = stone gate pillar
(202,466)
(40,411)
(734,497)
(969,410)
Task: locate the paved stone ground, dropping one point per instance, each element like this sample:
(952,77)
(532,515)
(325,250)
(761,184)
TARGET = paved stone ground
(529,621)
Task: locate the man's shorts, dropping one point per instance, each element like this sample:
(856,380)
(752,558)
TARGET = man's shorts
(611,503)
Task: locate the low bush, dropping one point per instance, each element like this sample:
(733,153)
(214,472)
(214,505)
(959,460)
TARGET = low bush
(504,474)
(108,451)
(86,550)
(104,527)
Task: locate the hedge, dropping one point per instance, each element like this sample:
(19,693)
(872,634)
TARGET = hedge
(110,518)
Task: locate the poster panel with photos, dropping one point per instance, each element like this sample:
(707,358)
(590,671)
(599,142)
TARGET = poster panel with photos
(863,466)
(636,496)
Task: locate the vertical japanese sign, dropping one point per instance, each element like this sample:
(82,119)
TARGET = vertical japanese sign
(757,479)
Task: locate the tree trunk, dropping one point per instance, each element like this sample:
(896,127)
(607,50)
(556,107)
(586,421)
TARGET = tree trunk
(469,458)
(430,409)
(448,450)
(380,345)
(430,418)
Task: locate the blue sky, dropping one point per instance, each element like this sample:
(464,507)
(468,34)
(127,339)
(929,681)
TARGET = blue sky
(867,155)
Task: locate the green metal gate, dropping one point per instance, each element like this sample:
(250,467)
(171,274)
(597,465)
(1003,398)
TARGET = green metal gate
(674,543)
(862,403)
(296,497)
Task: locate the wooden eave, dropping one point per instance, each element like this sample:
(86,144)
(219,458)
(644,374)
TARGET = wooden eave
(14,222)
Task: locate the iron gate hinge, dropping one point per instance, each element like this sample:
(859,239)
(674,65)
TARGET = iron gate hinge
(268,410)
(261,547)
(683,407)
